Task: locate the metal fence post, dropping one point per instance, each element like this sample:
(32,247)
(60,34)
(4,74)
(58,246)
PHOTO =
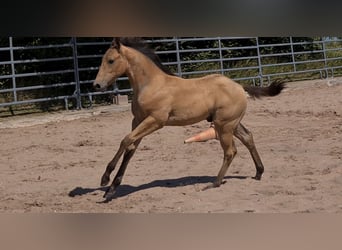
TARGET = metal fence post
(292,55)
(179,67)
(76,73)
(259,61)
(14,84)
(323,39)
(220,52)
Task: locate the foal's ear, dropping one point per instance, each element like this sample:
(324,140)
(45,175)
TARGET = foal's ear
(116,43)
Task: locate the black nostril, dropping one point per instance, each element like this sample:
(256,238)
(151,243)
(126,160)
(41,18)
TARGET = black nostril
(97,86)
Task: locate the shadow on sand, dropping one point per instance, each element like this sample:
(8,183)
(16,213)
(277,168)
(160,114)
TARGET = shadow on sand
(124,190)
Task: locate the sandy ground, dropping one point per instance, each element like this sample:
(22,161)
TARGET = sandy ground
(53,163)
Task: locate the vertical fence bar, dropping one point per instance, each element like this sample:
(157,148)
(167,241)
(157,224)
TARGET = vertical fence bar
(323,39)
(259,62)
(292,54)
(76,73)
(14,84)
(179,67)
(220,52)
(324,51)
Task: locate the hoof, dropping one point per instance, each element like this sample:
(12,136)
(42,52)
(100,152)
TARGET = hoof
(104,180)
(257,177)
(212,185)
(109,194)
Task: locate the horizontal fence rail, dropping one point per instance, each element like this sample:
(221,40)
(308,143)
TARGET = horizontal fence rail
(48,73)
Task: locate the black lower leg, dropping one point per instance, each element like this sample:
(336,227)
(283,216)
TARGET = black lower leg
(106,175)
(246,138)
(118,178)
(259,171)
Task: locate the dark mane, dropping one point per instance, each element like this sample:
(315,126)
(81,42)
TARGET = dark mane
(140,45)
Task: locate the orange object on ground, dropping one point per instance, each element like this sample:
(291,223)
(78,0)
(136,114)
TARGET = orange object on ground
(203,136)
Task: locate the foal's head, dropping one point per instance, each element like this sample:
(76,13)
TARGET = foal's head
(113,65)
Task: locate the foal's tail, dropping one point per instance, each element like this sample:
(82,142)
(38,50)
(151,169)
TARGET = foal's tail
(272,90)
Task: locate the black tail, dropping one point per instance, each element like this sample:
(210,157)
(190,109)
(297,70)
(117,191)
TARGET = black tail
(272,90)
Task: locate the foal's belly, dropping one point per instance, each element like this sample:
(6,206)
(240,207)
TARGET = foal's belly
(188,117)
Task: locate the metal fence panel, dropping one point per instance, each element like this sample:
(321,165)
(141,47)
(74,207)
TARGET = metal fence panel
(37,74)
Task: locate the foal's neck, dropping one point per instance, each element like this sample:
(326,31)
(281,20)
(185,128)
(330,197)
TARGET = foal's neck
(141,69)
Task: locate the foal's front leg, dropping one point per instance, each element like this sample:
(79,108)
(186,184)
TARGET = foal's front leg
(146,127)
(118,178)
(128,155)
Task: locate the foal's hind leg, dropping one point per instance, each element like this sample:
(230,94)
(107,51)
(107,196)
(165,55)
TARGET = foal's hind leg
(229,151)
(246,138)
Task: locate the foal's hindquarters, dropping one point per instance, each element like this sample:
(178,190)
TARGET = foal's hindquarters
(231,104)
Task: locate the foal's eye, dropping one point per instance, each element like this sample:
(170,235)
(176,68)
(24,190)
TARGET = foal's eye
(110,61)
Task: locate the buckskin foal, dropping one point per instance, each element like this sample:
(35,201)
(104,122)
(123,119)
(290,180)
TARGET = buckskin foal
(162,99)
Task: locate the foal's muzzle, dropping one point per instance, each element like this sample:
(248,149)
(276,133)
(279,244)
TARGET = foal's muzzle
(97,86)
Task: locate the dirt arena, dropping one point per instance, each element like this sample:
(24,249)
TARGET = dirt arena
(54,162)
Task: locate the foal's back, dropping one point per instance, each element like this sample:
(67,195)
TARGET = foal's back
(216,89)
